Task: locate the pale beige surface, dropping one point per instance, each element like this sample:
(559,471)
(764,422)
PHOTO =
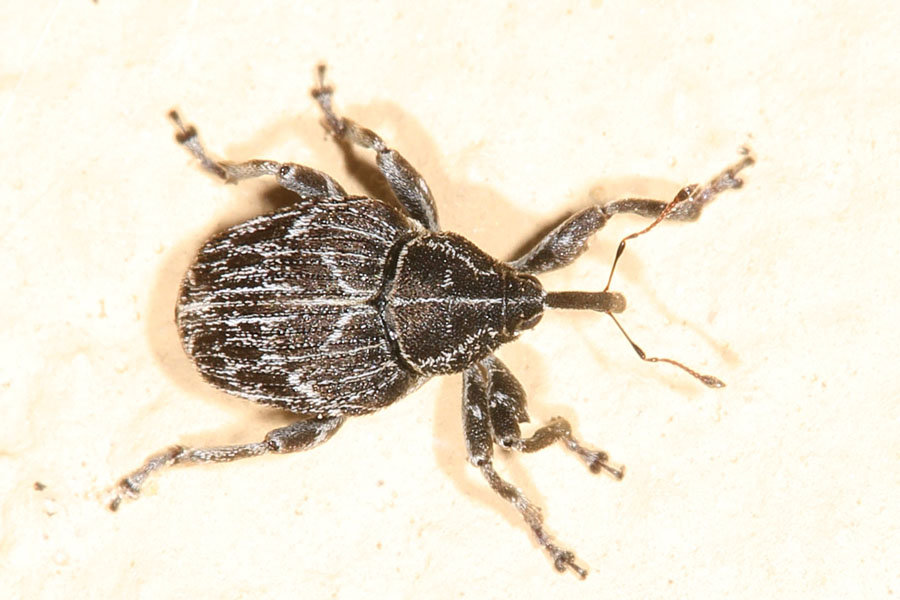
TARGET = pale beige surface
(783,484)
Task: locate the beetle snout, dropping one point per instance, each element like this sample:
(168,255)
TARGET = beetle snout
(608,302)
(616,301)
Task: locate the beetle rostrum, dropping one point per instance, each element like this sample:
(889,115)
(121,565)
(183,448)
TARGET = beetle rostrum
(339,305)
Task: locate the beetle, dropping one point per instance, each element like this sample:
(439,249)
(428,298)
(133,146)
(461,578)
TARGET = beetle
(339,305)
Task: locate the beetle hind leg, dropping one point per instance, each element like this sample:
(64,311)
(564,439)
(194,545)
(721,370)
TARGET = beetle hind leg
(408,186)
(299,436)
(304,181)
(479,445)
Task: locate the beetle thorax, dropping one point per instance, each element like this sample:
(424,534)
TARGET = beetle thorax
(448,305)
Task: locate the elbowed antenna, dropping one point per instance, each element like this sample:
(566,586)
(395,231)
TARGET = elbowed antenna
(614,302)
(707,380)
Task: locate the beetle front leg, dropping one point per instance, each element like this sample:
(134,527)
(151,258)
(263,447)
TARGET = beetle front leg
(570,238)
(507,408)
(299,436)
(479,446)
(408,186)
(304,181)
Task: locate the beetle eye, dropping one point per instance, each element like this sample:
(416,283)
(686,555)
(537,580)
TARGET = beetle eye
(529,322)
(525,317)
(524,303)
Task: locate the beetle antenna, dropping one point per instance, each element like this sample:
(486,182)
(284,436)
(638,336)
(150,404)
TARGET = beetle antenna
(614,302)
(707,380)
(685,194)
(725,180)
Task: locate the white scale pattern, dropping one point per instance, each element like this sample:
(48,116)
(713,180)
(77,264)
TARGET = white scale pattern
(289,325)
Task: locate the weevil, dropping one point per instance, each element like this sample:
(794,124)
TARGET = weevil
(340,305)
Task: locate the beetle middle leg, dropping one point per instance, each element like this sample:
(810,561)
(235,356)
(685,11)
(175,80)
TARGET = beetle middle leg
(296,437)
(408,186)
(570,238)
(479,446)
(304,181)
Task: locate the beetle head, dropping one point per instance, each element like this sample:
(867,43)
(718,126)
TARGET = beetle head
(523,303)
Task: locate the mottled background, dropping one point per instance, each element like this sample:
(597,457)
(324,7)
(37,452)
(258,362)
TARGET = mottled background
(785,483)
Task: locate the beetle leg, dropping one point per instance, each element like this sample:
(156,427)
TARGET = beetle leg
(507,410)
(304,181)
(570,238)
(299,436)
(479,446)
(558,429)
(408,186)
(506,402)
